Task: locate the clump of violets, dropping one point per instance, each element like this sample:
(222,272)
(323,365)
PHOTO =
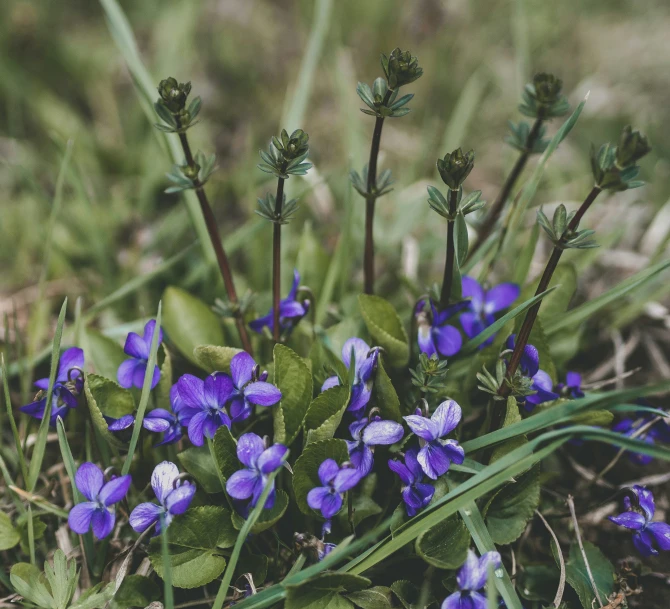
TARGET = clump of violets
(357,353)
(483,304)
(67,386)
(471,579)
(174,497)
(436,453)
(541,384)
(259,462)
(291,311)
(415,493)
(131,372)
(642,428)
(335,481)
(434,334)
(640,509)
(97,513)
(171,424)
(368,433)
(249,387)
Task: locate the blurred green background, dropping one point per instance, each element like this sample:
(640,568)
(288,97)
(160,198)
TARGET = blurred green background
(261,65)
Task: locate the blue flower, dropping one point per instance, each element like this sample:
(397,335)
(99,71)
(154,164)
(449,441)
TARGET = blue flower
(335,480)
(365,365)
(638,518)
(367,434)
(259,462)
(250,388)
(67,386)
(120,424)
(541,381)
(470,579)
(657,432)
(171,424)
(291,311)
(415,494)
(174,496)
(437,454)
(131,372)
(483,304)
(97,513)
(435,336)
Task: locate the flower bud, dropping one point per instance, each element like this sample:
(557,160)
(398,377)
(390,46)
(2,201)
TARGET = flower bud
(633,145)
(547,88)
(455,167)
(174,94)
(292,146)
(400,68)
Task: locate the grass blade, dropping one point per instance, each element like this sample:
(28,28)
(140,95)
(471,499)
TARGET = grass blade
(12,421)
(168,592)
(31,535)
(41,442)
(144,397)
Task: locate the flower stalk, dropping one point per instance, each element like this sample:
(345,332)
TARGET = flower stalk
(276,261)
(448,279)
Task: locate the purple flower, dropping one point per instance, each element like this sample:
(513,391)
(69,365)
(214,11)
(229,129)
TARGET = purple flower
(204,409)
(131,372)
(335,480)
(572,386)
(483,304)
(365,364)
(250,388)
(120,424)
(434,335)
(96,513)
(369,433)
(259,462)
(163,421)
(638,518)
(291,311)
(658,432)
(68,384)
(470,579)
(174,496)
(437,454)
(541,381)
(415,493)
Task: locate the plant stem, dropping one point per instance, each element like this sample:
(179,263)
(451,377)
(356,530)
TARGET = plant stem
(369,255)
(215,238)
(503,195)
(448,280)
(527,326)
(276,260)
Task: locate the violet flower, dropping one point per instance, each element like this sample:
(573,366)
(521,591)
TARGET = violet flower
(291,311)
(572,386)
(97,513)
(483,304)
(68,384)
(659,432)
(174,496)
(250,388)
(367,434)
(171,424)
(120,424)
(435,336)
(131,372)
(335,480)
(437,454)
(259,462)
(415,493)
(541,381)
(204,409)
(365,365)
(470,579)
(638,518)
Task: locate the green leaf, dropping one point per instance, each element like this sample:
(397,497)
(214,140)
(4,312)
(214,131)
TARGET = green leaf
(325,413)
(136,591)
(214,359)
(225,449)
(96,597)
(9,536)
(29,582)
(39,528)
(384,395)
(510,509)
(305,470)
(512,415)
(445,545)
(324,591)
(105,354)
(198,462)
(102,387)
(408,594)
(578,578)
(189,322)
(194,543)
(385,328)
(268,518)
(378,597)
(461,240)
(364,507)
(112,399)
(294,380)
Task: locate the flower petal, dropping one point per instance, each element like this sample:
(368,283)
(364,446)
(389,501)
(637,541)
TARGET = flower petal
(425,340)
(472,324)
(257,325)
(433,459)
(158,420)
(413,464)
(468,575)
(356,428)
(454,451)
(122,423)
(331,381)
(242,368)
(573,379)
(144,515)
(446,417)
(263,394)
(328,470)
(401,470)
(249,448)
(643,541)
(80,516)
(218,389)
(360,349)
(294,286)
(423,427)
(102,523)
(453,601)
(191,391)
(360,396)
(179,499)
(362,458)
(126,372)
(630,520)
(661,533)
(271,458)
(472,289)
(500,297)
(331,505)
(490,558)
(71,358)
(448,340)
(149,329)
(89,480)
(115,490)
(316,496)
(346,479)
(646,500)
(242,483)
(163,479)
(382,432)
(196,431)
(136,347)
